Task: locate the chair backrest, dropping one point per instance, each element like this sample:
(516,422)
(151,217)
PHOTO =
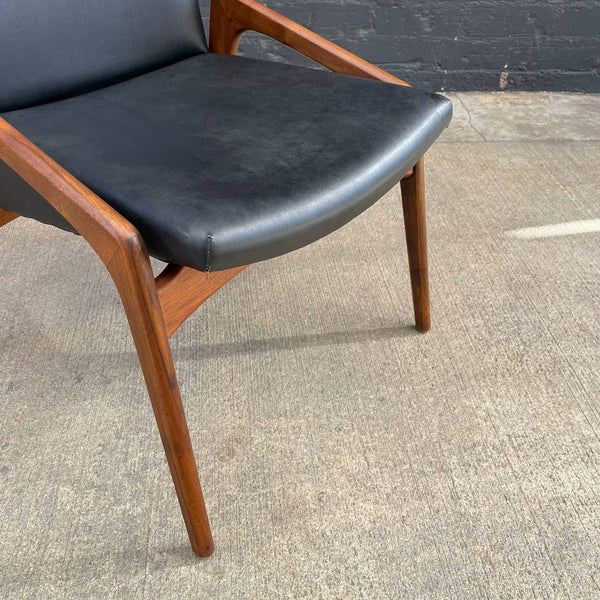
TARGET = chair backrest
(52,49)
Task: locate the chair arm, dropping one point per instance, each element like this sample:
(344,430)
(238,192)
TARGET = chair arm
(100,224)
(230,18)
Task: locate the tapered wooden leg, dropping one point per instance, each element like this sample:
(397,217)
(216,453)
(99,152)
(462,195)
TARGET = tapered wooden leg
(6,217)
(413,203)
(131,271)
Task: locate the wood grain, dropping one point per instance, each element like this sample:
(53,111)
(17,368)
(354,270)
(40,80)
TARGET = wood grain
(413,203)
(131,271)
(182,290)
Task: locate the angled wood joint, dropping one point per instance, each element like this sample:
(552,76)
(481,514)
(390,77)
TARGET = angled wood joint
(225,32)
(100,224)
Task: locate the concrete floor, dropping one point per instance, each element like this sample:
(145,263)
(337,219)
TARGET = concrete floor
(342,454)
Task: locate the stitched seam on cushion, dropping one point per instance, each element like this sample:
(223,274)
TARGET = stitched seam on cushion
(209,242)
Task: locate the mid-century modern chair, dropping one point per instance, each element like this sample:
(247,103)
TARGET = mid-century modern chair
(119,122)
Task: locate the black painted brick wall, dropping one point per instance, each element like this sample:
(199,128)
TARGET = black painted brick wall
(456,44)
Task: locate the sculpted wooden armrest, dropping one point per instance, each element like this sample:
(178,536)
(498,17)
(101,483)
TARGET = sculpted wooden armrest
(229,19)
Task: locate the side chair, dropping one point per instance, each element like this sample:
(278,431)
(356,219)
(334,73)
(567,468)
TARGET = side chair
(120,123)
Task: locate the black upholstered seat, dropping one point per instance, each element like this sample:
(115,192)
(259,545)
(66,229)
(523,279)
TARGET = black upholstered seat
(221,161)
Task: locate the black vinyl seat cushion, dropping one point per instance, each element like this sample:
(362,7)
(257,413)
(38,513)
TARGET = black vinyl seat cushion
(222,161)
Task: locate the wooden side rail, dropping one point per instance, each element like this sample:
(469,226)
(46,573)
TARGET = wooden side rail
(182,290)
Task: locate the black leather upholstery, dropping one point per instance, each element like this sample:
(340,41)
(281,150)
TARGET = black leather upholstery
(51,49)
(221,161)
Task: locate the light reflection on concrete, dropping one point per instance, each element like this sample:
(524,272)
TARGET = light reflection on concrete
(556,229)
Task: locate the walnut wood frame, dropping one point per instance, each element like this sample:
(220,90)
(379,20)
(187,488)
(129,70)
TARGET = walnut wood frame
(156,307)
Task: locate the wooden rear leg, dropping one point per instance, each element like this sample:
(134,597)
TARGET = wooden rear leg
(132,274)
(413,203)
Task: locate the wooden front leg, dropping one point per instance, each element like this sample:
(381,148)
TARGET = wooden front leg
(131,271)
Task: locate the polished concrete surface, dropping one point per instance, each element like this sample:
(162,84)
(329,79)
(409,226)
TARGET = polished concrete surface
(343,455)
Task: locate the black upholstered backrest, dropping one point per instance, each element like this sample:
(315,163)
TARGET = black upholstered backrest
(51,49)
